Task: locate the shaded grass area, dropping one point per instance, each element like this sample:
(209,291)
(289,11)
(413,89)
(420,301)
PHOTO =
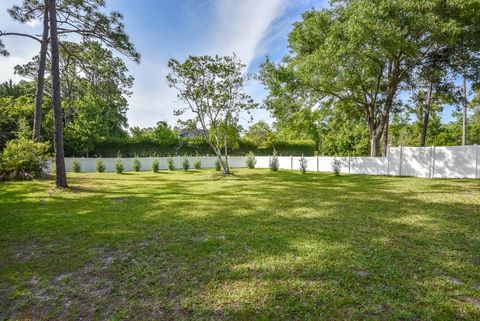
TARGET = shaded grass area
(257,245)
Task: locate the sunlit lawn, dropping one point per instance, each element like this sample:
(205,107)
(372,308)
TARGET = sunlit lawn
(258,245)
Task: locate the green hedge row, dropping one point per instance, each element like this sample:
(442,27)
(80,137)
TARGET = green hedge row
(128,148)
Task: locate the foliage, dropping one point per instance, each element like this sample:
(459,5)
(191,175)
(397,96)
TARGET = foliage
(218,166)
(186,164)
(213,90)
(336,166)
(273,162)
(197,164)
(22,158)
(119,166)
(303,164)
(136,165)
(155,166)
(76,167)
(261,135)
(170,164)
(359,55)
(251,161)
(100,166)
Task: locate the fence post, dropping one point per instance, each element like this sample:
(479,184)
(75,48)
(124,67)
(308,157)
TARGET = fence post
(317,164)
(433,166)
(348,164)
(400,166)
(476,160)
(291,162)
(388,161)
(431,163)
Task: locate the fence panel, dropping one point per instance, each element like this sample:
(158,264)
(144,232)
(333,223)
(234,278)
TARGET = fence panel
(435,162)
(455,162)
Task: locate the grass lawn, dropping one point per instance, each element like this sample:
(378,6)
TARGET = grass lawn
(258,245)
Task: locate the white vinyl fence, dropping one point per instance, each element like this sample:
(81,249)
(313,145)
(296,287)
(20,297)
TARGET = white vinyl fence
(431,162)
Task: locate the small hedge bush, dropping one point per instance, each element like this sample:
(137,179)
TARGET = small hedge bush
(119,167)
(186,164)
(251,161)
(197,164)
(136,165)
(336,167)
(23,158)
(100,166)
(303,165)
(218,166)
(155,166)
(171,166)
(273,164)
(76,167)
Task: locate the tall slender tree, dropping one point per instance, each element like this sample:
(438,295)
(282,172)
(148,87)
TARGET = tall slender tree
(80,17)
(37,120)
(61,176)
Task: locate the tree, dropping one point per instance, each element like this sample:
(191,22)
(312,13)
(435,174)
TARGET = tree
(78,17)
(296,113)
(360,53)
(212,88)
(61,175)
(261,135)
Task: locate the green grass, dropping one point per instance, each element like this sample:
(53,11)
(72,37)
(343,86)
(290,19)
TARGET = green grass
(257,245)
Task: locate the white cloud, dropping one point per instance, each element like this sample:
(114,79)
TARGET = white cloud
(236,26)
(240,26)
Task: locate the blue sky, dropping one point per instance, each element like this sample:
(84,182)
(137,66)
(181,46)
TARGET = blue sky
(163,29)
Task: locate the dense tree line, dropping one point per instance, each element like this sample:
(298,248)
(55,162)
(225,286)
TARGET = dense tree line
(355,63)
(361,75)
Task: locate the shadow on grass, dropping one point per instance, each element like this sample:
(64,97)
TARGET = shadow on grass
(257,245)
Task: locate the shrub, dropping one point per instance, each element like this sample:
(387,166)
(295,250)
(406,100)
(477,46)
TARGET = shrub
(76,167)
(100,166)
(251,161)
(155,166)
(336,166)
(119,167)
(23,158)
(218,166)
(186,164)
(303,165)
(197,164)
(136,165)
(273,164)
(171,167)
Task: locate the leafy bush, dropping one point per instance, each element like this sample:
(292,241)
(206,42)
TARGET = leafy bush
(100,166)
(251,160)
(336,166)
(155,166)
(303,165)
(23,158)
(136,165)
(186,164)
(171,167)
(76,167)
(197,164)
(218,166)
(119,167)
(273,164)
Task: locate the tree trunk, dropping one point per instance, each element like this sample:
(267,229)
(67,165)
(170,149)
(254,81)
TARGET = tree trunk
(37,119)
(426,116)
(227,168)
(61,177)
(374,144)
(465,107)
(385,136)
